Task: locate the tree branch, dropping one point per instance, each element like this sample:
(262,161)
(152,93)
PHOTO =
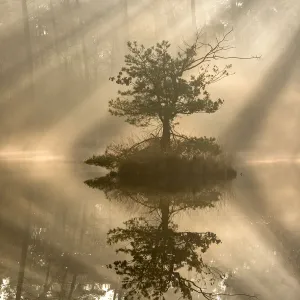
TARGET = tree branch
(213,52)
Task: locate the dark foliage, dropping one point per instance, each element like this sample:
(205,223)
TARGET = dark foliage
(158,253)
(158,89)
(190,160)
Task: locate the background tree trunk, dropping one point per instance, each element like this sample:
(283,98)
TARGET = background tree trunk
(193,11)
(115,294)
(85,61)
(156,11)
(63,285)
(25,245)
(47,276)
(72,288)
(125,21)
(53,21)
(28,47)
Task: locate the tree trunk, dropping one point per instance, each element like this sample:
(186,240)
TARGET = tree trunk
(115,294)
(85,61)
(27,37)
(63,283)
(81,237)
(72,288)
(193,11)
(24,251)
(126,21)
(165,218)
(156,11)
(236,14)
(165,214)
(47,285)
(117,36)
(83,224)
(166,135)
(47,277)
(63,220)
(170,21)
(115,52)
(53,21)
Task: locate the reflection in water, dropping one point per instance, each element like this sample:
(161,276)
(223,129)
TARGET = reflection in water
(259,229)
(50,249)
(160,258)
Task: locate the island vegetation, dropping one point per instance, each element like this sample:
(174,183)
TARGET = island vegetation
(159,88)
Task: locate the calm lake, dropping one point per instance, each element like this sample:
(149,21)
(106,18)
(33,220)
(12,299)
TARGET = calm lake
(54,229)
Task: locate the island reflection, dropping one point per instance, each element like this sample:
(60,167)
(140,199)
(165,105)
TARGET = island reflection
(157,258)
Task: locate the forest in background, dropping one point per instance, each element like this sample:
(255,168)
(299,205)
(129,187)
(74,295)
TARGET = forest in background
(56,56)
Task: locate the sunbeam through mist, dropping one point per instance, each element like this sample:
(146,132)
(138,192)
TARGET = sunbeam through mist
(184,194)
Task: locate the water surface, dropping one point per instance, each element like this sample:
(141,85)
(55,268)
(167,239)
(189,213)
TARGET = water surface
(47,210)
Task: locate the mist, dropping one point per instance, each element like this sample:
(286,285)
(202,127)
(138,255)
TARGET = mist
(56,58)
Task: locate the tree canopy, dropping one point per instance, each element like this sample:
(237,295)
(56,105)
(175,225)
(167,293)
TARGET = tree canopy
(159,88)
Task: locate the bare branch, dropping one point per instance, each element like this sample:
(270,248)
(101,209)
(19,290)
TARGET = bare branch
(212,296)
(214,52)
(236,57)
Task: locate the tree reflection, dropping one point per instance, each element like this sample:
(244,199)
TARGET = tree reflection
(50,271)
(156,253)
(50,248)
(189,196)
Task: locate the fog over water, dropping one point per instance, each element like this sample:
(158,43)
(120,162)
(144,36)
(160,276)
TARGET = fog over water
(55,61)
